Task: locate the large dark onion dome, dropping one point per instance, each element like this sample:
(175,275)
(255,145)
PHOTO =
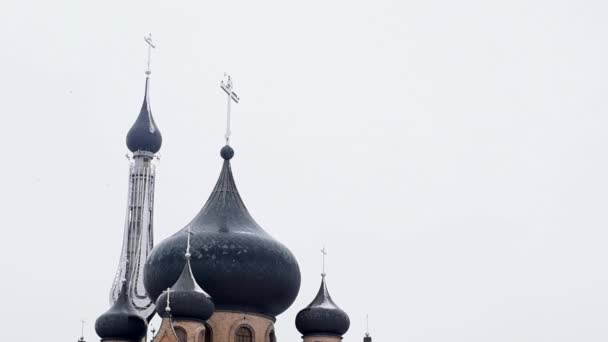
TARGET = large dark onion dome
(240,265)
(322,316)
(121,322)
(186,298)
(144,134)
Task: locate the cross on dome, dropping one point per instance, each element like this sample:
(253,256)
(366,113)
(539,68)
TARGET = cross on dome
(324,253)
(148,40)
(228,88)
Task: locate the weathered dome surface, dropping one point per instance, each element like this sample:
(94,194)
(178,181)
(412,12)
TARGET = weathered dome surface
(322,316)
(121,322)
(144,134)
(240,265)
(187,299)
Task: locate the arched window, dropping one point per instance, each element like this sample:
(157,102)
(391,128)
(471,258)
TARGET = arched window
(182,336)
(207,334)
(272,337)
(244,334)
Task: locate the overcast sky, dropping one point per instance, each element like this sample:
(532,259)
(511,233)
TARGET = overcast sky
(451,155)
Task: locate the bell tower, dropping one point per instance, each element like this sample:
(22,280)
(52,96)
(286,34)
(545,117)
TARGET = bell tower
(144,141)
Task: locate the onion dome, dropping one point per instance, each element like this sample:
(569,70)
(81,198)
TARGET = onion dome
(322,316)
(185,298)
(144,134)
(121,322)
(238,263)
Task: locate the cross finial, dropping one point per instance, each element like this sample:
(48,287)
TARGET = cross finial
(324,253)
(188,255)
(232,96)
(148,40)
(367,325)
(82,322)
(168,307)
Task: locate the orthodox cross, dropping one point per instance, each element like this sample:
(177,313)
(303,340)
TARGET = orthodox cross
(148,40)
(324,253)
(188,244)
(82,322)
(168,307)
(232,96)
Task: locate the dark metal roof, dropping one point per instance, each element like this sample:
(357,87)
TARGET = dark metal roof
(144,134)
(121,321)
(187,299)
(238,263)
(322,316)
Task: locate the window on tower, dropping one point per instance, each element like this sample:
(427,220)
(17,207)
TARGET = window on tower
(206,335)
(244,334)
(181,334)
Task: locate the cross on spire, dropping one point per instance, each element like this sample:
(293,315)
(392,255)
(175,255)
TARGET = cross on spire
(82,322)
(188,244)
(148,40)
(324,253)
(232,96)
(168,307)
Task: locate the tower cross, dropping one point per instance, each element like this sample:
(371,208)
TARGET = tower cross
(228,87)
(188,245)
(82,322)
(324,253)
(148,40)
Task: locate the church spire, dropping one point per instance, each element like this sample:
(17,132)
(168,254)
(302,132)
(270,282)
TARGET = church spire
(144,135)
(322,316)
(185,299)
(144,141)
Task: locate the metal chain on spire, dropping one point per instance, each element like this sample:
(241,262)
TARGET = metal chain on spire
(228,87)
(148,40)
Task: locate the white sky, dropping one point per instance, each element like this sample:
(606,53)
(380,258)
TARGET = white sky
(450,154)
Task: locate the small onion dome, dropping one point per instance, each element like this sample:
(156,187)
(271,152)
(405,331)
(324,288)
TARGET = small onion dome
(121,322)
(144,135)
(186,298)
(239,264)
(322,316)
